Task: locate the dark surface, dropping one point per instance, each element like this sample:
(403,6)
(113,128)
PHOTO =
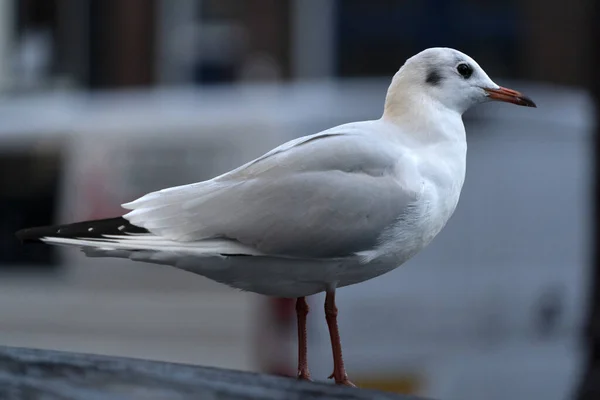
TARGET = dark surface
(50,375)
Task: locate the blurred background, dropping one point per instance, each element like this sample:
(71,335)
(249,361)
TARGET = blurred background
(102,101)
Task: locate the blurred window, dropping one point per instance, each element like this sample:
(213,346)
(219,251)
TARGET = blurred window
(29,188)
(374,38)
(35,60)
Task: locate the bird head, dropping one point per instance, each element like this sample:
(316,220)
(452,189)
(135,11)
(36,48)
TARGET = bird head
(449,78)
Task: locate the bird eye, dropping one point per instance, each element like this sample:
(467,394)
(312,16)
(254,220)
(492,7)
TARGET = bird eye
(464,70)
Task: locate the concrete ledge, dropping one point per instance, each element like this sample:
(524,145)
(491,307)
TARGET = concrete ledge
(52,375)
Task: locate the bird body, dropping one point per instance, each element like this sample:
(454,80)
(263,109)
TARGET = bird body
(399,180)
(319,212)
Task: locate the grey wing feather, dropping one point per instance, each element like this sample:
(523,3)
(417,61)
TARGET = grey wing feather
(332,195)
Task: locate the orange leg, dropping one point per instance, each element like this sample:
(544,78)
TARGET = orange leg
(339,372)
(302,311)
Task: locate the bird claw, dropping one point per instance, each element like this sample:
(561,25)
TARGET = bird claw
(341,381)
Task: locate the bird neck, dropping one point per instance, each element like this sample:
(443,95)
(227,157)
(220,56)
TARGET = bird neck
(428,120)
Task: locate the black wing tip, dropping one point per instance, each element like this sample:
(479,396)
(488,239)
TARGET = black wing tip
(95,228)
(35,234)
(30,235)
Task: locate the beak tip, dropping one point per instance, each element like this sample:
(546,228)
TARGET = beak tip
(527,102)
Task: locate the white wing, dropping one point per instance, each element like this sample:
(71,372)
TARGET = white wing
(325,195)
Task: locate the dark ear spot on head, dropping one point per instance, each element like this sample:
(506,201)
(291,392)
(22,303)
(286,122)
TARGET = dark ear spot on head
(433,77)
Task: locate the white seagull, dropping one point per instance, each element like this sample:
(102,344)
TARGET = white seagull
(320,212)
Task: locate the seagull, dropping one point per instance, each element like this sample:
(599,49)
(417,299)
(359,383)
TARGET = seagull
(320,212)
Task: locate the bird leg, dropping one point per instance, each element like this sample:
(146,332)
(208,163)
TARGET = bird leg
(302,311)
(339,372)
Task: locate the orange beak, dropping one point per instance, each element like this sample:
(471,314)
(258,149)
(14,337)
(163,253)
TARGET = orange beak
(509,96)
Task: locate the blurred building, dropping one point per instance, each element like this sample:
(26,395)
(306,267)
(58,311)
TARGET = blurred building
(111,43)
